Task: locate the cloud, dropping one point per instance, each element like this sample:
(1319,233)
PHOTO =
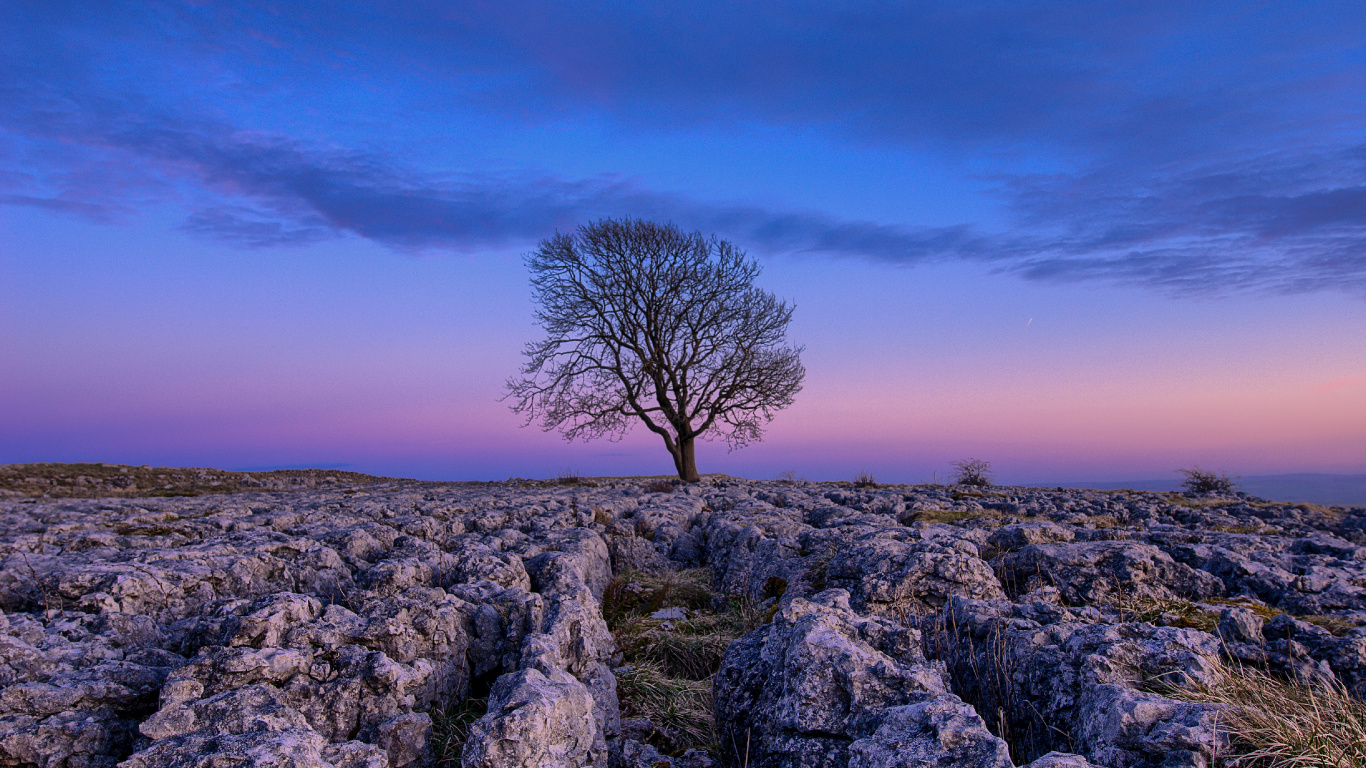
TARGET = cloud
(1179,159)
(1205,233)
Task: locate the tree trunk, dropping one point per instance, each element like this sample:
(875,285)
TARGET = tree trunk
(676,454)
(687,461)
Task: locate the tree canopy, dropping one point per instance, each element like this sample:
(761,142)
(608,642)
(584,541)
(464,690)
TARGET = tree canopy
(648,324)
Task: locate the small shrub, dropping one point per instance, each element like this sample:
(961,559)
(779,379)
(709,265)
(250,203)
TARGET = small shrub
(1198,480)
(1275,723)
(865,480)
(790,476)
(974,472)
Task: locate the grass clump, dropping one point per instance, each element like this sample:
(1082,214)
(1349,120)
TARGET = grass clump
(1170,612)
(680,707)
(671,661)
(1338,625)
(974,472)
(451,729)
(1263,611)
(1277,723)
(1198,480)
(570,477)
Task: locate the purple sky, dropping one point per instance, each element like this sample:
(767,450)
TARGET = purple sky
(1079,240)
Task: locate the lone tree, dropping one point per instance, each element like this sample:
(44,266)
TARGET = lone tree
(646,322)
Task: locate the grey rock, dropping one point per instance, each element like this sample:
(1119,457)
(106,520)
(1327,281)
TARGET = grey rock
(321,625)
(1239,625)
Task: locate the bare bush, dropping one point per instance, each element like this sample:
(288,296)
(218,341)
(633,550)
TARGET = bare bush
(1198,480)
(865,480)
(973,472)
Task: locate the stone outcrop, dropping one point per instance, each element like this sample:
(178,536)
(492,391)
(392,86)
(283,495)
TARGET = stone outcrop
(334,623)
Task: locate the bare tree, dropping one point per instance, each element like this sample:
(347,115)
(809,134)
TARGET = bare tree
(646,322)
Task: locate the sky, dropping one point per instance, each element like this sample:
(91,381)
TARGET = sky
(1079,240)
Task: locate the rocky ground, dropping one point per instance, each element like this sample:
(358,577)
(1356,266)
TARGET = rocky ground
(356,624)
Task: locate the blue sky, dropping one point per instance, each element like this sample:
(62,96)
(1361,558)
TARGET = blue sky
(1076,239)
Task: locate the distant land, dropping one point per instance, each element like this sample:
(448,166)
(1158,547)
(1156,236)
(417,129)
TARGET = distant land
(1315,488)
(97,480)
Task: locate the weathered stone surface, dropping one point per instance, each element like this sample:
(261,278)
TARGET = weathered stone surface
(822,685)
(537,720)
(324,625)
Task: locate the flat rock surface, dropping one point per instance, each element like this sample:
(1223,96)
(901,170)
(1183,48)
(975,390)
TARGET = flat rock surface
(323,620)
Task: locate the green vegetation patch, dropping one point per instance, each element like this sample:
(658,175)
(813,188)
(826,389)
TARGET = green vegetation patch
(1177,499)
(1266,612)
(1169,612)
(85,481)
(1238,528)
(451,729)
(671,661)
(1338,625)
(955,515)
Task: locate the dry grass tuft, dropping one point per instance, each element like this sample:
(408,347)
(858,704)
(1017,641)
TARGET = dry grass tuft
(1275,723)
(865,480)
